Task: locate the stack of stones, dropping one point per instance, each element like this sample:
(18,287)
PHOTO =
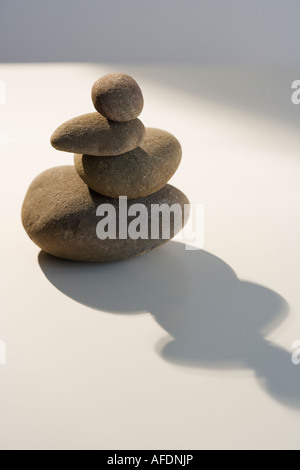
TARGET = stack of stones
(115,155)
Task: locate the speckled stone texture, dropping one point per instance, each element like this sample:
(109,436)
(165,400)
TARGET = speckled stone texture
(118,97)
(134,174)
(59,215)
(93,134)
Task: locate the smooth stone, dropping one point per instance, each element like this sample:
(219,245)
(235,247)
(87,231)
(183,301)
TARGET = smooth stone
(118,97)
(95,135)
(59,215)
(138,173)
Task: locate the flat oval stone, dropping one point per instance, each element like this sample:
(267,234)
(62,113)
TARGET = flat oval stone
(93,134)
(59,215)
(118,97)
(138,173)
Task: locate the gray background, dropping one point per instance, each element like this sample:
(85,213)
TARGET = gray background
(151,31)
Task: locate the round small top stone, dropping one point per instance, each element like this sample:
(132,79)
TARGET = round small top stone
(117,97)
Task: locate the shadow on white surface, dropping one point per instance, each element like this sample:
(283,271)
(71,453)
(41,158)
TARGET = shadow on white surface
(214,319)
(265,93)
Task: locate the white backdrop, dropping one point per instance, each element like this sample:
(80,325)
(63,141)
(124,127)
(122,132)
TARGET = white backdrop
(175,349)
(151,31)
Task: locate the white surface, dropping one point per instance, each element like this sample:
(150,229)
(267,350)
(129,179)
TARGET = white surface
(169,350)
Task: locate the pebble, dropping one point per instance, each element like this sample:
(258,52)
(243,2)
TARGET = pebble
(93,134)
(118,97)
(134,174)
(59,215)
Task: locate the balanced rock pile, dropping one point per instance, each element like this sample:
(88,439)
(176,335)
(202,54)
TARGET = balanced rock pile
(115,155)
